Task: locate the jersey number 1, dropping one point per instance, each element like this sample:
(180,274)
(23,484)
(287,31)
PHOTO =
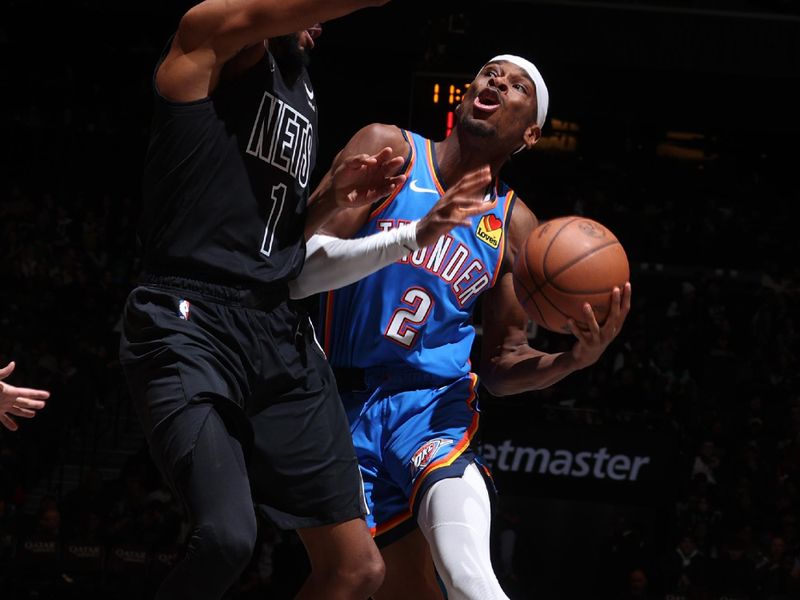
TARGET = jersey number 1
(401,328)
(278,196)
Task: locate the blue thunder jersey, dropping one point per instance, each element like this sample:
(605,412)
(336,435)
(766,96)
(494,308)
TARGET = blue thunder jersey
(417,312)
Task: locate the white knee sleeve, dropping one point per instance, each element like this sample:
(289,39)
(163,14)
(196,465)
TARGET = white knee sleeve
(455,518)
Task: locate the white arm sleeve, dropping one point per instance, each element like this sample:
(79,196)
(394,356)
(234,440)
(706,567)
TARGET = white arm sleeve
(332,262)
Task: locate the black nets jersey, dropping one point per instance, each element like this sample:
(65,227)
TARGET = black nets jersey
(226,180)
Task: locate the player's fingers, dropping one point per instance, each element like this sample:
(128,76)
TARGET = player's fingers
(575,330)
(469,194)
(8,422)
(384,154)
(30,403)
(357,161)
(616,304)
(462,221)
(22,412)
(393,182)
(28,393)
(479,179)
(392,165)
(460,212)
(591,320)
(473,208)
(7,370)
(475,179)
(356,158)
(616,317)
(467,199)
(626,297)
(397,180)
(482,172)
(621,306)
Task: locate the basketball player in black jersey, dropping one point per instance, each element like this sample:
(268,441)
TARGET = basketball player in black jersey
(210,336)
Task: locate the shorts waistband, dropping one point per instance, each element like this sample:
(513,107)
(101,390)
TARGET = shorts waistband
(354,379)
(263,297)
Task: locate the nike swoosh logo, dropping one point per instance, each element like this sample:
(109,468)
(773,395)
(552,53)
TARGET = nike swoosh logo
(416,188)
(310,94)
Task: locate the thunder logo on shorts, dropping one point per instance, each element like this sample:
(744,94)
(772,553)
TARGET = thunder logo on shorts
(426,452)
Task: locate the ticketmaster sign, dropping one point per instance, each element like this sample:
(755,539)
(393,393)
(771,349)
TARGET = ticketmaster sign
(563,462)
(580,463)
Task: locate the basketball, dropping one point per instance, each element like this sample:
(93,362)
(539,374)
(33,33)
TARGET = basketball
(564,263)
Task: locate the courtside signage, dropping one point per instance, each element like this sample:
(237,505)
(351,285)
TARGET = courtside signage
(598,464)
(583,463)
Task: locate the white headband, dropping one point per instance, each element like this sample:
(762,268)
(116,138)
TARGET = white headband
(542,96)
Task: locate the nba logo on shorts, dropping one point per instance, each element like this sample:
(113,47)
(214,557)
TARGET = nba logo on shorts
(425,454)
(183,309)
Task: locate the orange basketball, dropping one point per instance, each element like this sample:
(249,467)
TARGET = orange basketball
(564,263)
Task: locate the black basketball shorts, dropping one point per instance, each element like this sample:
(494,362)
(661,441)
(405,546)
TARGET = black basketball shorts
(189,347)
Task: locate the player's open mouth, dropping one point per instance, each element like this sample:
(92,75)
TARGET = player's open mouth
(487,101)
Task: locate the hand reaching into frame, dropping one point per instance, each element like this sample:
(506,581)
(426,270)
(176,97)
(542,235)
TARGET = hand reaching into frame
(18,402)
(456,207)
(363,179)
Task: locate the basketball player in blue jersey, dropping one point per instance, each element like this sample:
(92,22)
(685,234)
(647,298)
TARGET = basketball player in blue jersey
(399,339)
(235,397)
(18,402)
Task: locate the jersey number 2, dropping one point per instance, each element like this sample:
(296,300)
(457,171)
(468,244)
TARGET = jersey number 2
(278,196)
(401,328)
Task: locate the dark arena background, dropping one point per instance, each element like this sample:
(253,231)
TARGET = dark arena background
(674,123)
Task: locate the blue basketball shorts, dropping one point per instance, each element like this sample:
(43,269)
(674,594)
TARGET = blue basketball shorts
(407,440)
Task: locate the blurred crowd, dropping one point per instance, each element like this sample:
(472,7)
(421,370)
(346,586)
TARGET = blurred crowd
(709,357)
(711,365)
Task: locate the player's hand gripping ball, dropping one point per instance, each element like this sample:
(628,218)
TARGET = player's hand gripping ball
(564,263)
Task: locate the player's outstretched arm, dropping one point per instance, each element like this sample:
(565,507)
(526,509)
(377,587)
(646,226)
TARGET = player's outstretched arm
(18,402)
(214,31)
(509,365)
(332,259)
(333,262)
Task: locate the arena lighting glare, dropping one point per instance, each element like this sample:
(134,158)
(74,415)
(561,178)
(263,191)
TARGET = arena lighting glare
(686,145)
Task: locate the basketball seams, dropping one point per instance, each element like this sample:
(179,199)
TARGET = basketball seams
(539,290)
(540,286)
(529,300)
(564,314)
(550,245)
(575,261)
(558,302)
